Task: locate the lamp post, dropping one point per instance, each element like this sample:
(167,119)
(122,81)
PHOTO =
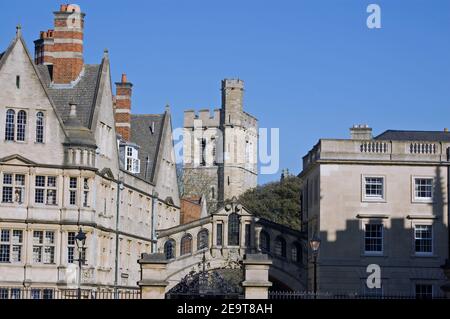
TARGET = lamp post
(80,240)
(314,243)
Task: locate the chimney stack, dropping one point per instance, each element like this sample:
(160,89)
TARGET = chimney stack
(361,132)
(123,107)
(62,47)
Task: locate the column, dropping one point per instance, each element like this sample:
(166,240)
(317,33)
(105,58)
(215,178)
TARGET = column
(153,276)
(256,284)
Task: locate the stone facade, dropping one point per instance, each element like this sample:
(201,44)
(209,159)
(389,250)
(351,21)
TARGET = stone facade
(221,149)
(61,169)
(378,200)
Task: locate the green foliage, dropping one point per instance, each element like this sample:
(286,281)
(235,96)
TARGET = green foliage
(278,201)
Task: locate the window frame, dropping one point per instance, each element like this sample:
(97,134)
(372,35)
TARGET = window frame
(40,128)
(45,190)
(372,199)
(10,128)
(15,187)
(416,199)
(42,246)
(370,252)
(12,244)
(414,239)
(187,238)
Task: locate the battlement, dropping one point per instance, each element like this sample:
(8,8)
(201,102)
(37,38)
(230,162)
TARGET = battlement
(233,84)
(208,119)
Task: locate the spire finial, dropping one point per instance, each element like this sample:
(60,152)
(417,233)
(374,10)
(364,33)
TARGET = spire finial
(18,30)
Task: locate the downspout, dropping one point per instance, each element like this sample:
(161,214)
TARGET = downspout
(116,279)
(154,239)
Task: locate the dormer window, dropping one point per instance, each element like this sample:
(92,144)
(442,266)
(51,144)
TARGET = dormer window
(133,164)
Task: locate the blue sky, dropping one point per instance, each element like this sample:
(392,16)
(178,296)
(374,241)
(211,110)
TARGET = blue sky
(312,67)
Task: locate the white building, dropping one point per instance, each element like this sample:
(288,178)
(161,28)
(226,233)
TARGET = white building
(62,166)
(378,200)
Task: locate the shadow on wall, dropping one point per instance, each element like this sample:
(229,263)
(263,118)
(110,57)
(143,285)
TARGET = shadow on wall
(342,263)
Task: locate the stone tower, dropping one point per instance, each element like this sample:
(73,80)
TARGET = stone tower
(220,149)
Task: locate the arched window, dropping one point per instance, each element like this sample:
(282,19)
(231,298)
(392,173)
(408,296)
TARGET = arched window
(280,247)
(233,229)
(39,127)
(169,249)
(296,252)
(9,127)
(202,239)
(21,125)
(186,245)
(264,242)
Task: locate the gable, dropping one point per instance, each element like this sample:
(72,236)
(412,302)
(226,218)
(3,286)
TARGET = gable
(22,89)
(16,159)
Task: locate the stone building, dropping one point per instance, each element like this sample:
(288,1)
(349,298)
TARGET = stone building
(221,149)
(72,155)
(378,200)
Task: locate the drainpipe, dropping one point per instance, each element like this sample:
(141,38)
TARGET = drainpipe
(154,239)
(116,279)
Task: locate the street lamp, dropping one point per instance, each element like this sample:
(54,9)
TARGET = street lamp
(314,243)
(80,240)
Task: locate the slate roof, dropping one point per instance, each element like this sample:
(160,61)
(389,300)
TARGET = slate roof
(149,142)
(425,136)
(83,93)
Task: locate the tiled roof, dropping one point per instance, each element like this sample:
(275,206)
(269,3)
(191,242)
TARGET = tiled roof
(83,94)
(148,141)
(426,136)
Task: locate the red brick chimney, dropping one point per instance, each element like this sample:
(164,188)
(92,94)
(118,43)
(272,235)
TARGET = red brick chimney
(123,107)
(43,48)
(63,46)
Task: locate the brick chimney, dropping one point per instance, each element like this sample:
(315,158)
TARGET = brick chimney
(62,47)
(123,107)
(43,48)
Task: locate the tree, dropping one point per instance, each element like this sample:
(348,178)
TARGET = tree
(278,202)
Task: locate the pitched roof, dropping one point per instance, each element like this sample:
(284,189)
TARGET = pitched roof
(148,141)
(83,94)
(425,136)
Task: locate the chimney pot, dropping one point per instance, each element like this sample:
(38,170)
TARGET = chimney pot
(124,78)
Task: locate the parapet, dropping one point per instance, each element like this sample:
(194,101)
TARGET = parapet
(208,119)
(232,84)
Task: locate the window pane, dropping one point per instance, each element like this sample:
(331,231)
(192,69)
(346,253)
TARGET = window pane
(51,181)
(39,196)
(17,236)
(40,127)
(219,234)
(21,125)
(233,230)
(423,235)
(424,188)
(40,181)
(9,127)
(7,179)
(374,187)
(7,195)
(4,253)
(38,237)
(37,254)
(373,238)
(4,238)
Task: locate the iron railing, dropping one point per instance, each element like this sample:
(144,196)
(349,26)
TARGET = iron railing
(51,293)
(297,295)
